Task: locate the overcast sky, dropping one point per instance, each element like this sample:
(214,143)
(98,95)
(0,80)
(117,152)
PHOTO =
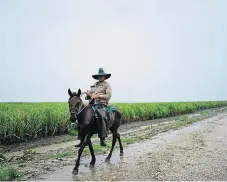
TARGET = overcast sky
(156,50)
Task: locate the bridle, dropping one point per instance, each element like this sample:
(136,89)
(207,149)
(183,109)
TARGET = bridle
(76,111)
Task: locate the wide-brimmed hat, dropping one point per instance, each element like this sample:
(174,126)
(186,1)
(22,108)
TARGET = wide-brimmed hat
(101,72)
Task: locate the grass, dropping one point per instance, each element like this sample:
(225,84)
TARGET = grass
(72,132)
(8,173)
(21,122)
(203,112)
(61,155)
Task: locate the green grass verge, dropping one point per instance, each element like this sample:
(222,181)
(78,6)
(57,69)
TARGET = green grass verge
(28,121)
(8,173)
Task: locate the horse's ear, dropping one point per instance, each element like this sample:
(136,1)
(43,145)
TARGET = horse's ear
(79,93)
(69,92)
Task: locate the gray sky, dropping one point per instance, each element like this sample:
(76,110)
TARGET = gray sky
(156,50)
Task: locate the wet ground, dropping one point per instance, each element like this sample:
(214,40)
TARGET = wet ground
(160,157)
(197,152)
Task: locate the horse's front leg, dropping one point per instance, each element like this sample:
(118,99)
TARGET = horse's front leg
(80,151)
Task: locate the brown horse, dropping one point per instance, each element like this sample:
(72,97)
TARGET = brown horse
(88,126)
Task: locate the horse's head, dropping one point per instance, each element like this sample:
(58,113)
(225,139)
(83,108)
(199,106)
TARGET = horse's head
(75,104)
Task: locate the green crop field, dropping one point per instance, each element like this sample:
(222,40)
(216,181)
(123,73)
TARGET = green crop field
(26,121)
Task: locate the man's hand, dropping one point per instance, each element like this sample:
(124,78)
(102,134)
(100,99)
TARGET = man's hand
(88,93)
(95,96)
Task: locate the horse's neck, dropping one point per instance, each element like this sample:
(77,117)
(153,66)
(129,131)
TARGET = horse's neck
(86,115)
(83,105)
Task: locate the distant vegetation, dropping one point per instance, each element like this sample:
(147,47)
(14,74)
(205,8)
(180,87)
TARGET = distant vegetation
(26,121)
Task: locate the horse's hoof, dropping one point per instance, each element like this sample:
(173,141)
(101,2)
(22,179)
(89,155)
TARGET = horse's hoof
(92,166)
(121,153)
(75,171)
(107,159)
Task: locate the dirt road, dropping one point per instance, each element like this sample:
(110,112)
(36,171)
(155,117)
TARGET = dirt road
(197,152)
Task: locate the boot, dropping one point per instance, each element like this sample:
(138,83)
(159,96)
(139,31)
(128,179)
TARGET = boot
(102,125)
(104,130)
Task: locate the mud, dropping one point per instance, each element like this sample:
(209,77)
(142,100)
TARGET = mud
(197,152)
(41,166)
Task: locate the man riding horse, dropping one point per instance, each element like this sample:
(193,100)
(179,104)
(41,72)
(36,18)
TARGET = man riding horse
(99,95)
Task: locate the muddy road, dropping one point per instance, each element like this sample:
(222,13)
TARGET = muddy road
(165,150)
(196,152)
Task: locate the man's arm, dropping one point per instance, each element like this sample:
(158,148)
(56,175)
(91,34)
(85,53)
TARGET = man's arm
(108,94)
(92,89)
(89,93)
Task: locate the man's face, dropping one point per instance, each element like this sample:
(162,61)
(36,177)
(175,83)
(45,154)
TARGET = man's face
(101,78)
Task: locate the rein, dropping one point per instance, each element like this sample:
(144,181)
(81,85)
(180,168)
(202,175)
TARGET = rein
(79,111)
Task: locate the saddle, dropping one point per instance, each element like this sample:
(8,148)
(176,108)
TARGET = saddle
(106,112)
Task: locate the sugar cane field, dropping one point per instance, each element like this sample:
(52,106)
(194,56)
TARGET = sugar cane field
(37,140)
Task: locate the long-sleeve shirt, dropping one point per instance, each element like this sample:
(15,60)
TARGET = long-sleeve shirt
(102,88)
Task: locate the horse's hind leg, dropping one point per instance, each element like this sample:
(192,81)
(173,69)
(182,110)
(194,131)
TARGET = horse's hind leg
(80,151)
(114,139)
(92,163)
(120,144)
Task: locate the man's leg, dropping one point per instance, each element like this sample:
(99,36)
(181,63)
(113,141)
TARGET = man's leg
(103,132)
